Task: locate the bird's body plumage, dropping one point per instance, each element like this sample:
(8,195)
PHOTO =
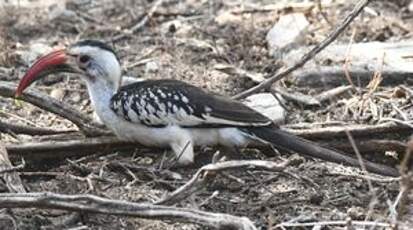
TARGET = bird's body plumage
(170,113)
(159,103)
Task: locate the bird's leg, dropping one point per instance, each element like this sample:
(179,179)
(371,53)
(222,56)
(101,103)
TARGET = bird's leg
(184,151)
(231,152)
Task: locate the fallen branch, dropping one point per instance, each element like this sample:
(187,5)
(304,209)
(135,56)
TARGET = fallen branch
(52,105)
(308,56)
(95,204)
(332,76)
(364,177)
(61,149)
(6,127)
(68,148)
(355,130)
(330,94)
(334,223)
(368,145)
(205,174)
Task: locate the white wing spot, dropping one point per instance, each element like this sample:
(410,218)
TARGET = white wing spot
(184,99)
(143,102)
(161,94)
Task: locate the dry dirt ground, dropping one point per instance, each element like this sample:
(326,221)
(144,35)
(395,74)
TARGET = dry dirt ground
(184,40)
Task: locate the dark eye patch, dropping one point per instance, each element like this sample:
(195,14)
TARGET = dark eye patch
(84,59)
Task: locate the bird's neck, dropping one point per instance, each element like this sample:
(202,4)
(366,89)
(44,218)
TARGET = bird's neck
(100,95)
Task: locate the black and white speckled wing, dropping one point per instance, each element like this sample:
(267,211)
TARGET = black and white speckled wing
(159,103)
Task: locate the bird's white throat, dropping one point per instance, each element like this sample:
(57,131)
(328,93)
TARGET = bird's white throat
(100,95)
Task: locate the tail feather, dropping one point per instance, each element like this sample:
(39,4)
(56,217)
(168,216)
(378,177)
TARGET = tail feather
(284,140)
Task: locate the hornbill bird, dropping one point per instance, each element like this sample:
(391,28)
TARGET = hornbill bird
(171,113)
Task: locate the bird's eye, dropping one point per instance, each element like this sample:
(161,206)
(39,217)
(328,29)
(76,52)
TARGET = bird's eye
(83,59)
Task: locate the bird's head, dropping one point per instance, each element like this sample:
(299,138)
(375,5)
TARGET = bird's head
(95,61)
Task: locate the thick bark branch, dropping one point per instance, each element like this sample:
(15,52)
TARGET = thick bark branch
(52,105)
(6,127)
(68,148)
(371,131)
(95,204)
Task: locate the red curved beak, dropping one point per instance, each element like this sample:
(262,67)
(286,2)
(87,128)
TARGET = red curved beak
(50,63)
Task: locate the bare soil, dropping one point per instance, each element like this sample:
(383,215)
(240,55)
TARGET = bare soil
(184,40)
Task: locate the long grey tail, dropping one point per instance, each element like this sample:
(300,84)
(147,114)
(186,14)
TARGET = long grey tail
(289,142)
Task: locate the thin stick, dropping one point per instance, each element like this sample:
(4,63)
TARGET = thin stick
(334,223)
(364,177)
(360,159)
(141,23)
(347,61)
(373,193)
(95,204)
(308,56)
(203,175)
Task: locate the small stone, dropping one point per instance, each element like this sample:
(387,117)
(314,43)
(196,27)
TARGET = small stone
(151,67)
(144,160)
(57,94)
(59,12)
(266,104)
(76,97)
(286,33)
(228,17)
(356,213)
(35,50)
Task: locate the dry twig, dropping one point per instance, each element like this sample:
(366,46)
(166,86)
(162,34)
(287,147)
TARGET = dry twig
(374,198)
(95,204)
(406,184)
(330,94)
(203,175)
(141,23)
